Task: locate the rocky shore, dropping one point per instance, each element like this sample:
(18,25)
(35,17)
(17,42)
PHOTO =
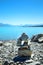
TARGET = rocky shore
(9,49)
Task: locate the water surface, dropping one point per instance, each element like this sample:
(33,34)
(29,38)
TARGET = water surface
(10,33)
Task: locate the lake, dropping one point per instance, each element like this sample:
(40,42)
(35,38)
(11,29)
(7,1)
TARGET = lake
(11,33)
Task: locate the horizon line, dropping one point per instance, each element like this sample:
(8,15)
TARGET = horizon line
(22,24)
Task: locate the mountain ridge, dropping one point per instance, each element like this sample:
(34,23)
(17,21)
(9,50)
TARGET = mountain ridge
(2,24)
(30,25)
(26,25)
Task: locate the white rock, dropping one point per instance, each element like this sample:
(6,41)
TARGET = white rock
(1,42)
(27,61)
(40,39)
(32,55)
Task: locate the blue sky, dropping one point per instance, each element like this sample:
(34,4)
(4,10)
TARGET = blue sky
(18,12)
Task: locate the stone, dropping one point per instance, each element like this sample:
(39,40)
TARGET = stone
(29,61)
(21,38)
(37,38)
(37,63)
(6,63)
(24,51)
(11,63)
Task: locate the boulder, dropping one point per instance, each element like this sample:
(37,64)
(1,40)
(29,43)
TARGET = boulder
(37,38)
(24,51)
(21,38)
(24,36)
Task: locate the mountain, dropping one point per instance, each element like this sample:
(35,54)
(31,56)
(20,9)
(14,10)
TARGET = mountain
(1,24)
(26,25)
(30,25)
(37,25)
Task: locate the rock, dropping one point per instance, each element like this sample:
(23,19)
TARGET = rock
(24,51)
(21,38)
(29,61)
(40,40)
(11,63)
(1,43)
(37,38)
(6,63)
(24,36)
(32,56)
(37,64)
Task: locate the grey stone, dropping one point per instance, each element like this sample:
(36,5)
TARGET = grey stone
(36,37)
(21,38)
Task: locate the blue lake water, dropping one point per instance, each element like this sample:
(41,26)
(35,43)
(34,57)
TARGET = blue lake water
(10,33)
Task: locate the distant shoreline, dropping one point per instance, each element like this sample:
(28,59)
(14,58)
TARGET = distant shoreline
(31,26)
(26,25)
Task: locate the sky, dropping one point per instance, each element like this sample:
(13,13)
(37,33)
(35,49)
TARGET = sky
(17,12)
